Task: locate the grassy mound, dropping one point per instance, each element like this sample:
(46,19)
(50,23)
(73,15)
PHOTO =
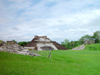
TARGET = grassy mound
(62,63)
(93,47)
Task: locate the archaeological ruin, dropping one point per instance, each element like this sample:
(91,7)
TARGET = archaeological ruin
(41,43)
(13,47)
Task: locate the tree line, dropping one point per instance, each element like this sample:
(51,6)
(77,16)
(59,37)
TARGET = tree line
(95,38)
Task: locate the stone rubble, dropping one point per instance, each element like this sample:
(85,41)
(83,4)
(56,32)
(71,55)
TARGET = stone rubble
(15,48)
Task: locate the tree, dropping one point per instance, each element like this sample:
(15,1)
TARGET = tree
(84,38)
(96,36)
(14,41)
(23,43)
(65,41)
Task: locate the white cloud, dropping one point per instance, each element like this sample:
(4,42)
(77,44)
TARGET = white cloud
(58,19)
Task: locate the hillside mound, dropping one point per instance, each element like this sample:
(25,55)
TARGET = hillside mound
(93,47)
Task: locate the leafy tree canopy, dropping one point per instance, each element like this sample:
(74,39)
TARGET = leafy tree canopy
(96,35)
(65,41)
(23,43)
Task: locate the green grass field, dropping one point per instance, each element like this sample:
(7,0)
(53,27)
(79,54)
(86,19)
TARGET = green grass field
(66,62)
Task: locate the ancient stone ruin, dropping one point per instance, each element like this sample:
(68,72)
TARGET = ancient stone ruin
(41,43)
(12,47)
(88,42)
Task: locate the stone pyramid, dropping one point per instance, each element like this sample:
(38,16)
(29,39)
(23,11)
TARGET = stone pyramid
(43,43)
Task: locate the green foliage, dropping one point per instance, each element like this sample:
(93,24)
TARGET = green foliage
(96,35)
(93,39)
(71,44)
(61,63)
(0,41)
(65,41)
(14,41)
(23,43)
(85,38)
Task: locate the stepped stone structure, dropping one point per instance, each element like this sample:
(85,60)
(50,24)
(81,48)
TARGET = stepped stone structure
(79,48)
(43,43)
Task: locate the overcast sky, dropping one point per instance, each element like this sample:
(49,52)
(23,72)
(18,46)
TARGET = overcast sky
(21,20)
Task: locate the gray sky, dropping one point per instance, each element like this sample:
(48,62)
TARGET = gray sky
(58,19)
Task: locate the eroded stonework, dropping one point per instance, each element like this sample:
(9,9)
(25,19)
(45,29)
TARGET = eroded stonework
(12,47)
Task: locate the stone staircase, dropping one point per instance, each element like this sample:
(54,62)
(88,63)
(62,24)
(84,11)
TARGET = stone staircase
(79,48)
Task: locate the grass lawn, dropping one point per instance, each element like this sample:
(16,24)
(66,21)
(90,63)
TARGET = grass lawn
(62,63)
(93,47)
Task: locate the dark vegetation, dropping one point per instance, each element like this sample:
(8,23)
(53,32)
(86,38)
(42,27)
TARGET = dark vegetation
(93,39)
(0,41)
(23,43)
